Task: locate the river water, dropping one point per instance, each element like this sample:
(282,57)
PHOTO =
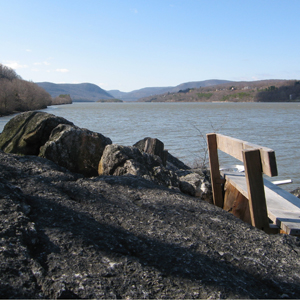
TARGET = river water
(183,126)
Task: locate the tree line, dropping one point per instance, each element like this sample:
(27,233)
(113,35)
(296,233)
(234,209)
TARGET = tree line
(244,91)
(17,95)
(285,93)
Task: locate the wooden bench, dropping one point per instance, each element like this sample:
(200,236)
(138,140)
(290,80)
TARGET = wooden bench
(248,195)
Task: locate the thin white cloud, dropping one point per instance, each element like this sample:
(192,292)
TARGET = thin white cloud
(62,70)
(15,65)
(46,63)
(28,50)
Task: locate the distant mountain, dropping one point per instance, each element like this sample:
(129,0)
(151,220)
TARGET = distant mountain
(243,91)
(82,92)
(151,91)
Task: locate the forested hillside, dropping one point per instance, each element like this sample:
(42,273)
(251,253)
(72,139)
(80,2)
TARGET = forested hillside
(151,91)
(254,91)
(18,95)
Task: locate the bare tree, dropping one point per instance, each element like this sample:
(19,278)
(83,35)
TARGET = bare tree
(20,95)
(8,73)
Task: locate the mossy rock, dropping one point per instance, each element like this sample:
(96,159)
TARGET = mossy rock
(27,132)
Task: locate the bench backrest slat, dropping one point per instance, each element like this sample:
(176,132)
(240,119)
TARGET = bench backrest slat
(235,147)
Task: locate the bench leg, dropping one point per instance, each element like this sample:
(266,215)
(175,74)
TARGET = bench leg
(256,191)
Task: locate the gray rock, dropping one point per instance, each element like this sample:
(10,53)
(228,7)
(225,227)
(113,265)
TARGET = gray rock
(27,132)
(190,184)
(153,146)
(77,149)
(296,192)
(121,160)
(173,163)
(196,185)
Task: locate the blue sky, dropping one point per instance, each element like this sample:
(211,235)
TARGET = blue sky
(131,44)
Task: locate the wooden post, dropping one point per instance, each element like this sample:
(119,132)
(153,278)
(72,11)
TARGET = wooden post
(215,170)
(256,191)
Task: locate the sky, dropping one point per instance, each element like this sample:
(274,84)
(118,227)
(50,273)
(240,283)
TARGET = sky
(132,44)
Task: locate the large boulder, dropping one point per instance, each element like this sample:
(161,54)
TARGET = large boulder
(120,160)
(77,149)
(27,132)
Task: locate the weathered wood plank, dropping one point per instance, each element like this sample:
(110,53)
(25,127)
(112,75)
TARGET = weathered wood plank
(236,203)
(255,186)
(215,169)
(237,180)
(257,160)
(234,147)
(230,146)
(283,207)
(268,159)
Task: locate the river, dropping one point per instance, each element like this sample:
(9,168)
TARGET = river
(183,126)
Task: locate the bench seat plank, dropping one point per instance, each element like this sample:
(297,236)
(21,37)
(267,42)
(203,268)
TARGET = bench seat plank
(283,207)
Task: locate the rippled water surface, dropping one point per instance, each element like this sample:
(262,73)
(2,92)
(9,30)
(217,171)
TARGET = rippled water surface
(181,126)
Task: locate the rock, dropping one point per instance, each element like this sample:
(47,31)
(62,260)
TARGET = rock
(55,138)
(79,150)
(63,235)
(190,184)
(154,147)
(121,160)
(27,132)
(296,192)
(196,185)
(174,163)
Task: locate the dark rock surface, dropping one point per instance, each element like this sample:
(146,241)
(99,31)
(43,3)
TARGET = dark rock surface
(77,149)
(153,146)
(66,236)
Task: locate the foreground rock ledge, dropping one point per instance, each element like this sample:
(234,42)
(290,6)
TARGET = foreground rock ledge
(66,236)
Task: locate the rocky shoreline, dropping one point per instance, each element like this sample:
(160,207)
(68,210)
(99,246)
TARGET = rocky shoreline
(64,234)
